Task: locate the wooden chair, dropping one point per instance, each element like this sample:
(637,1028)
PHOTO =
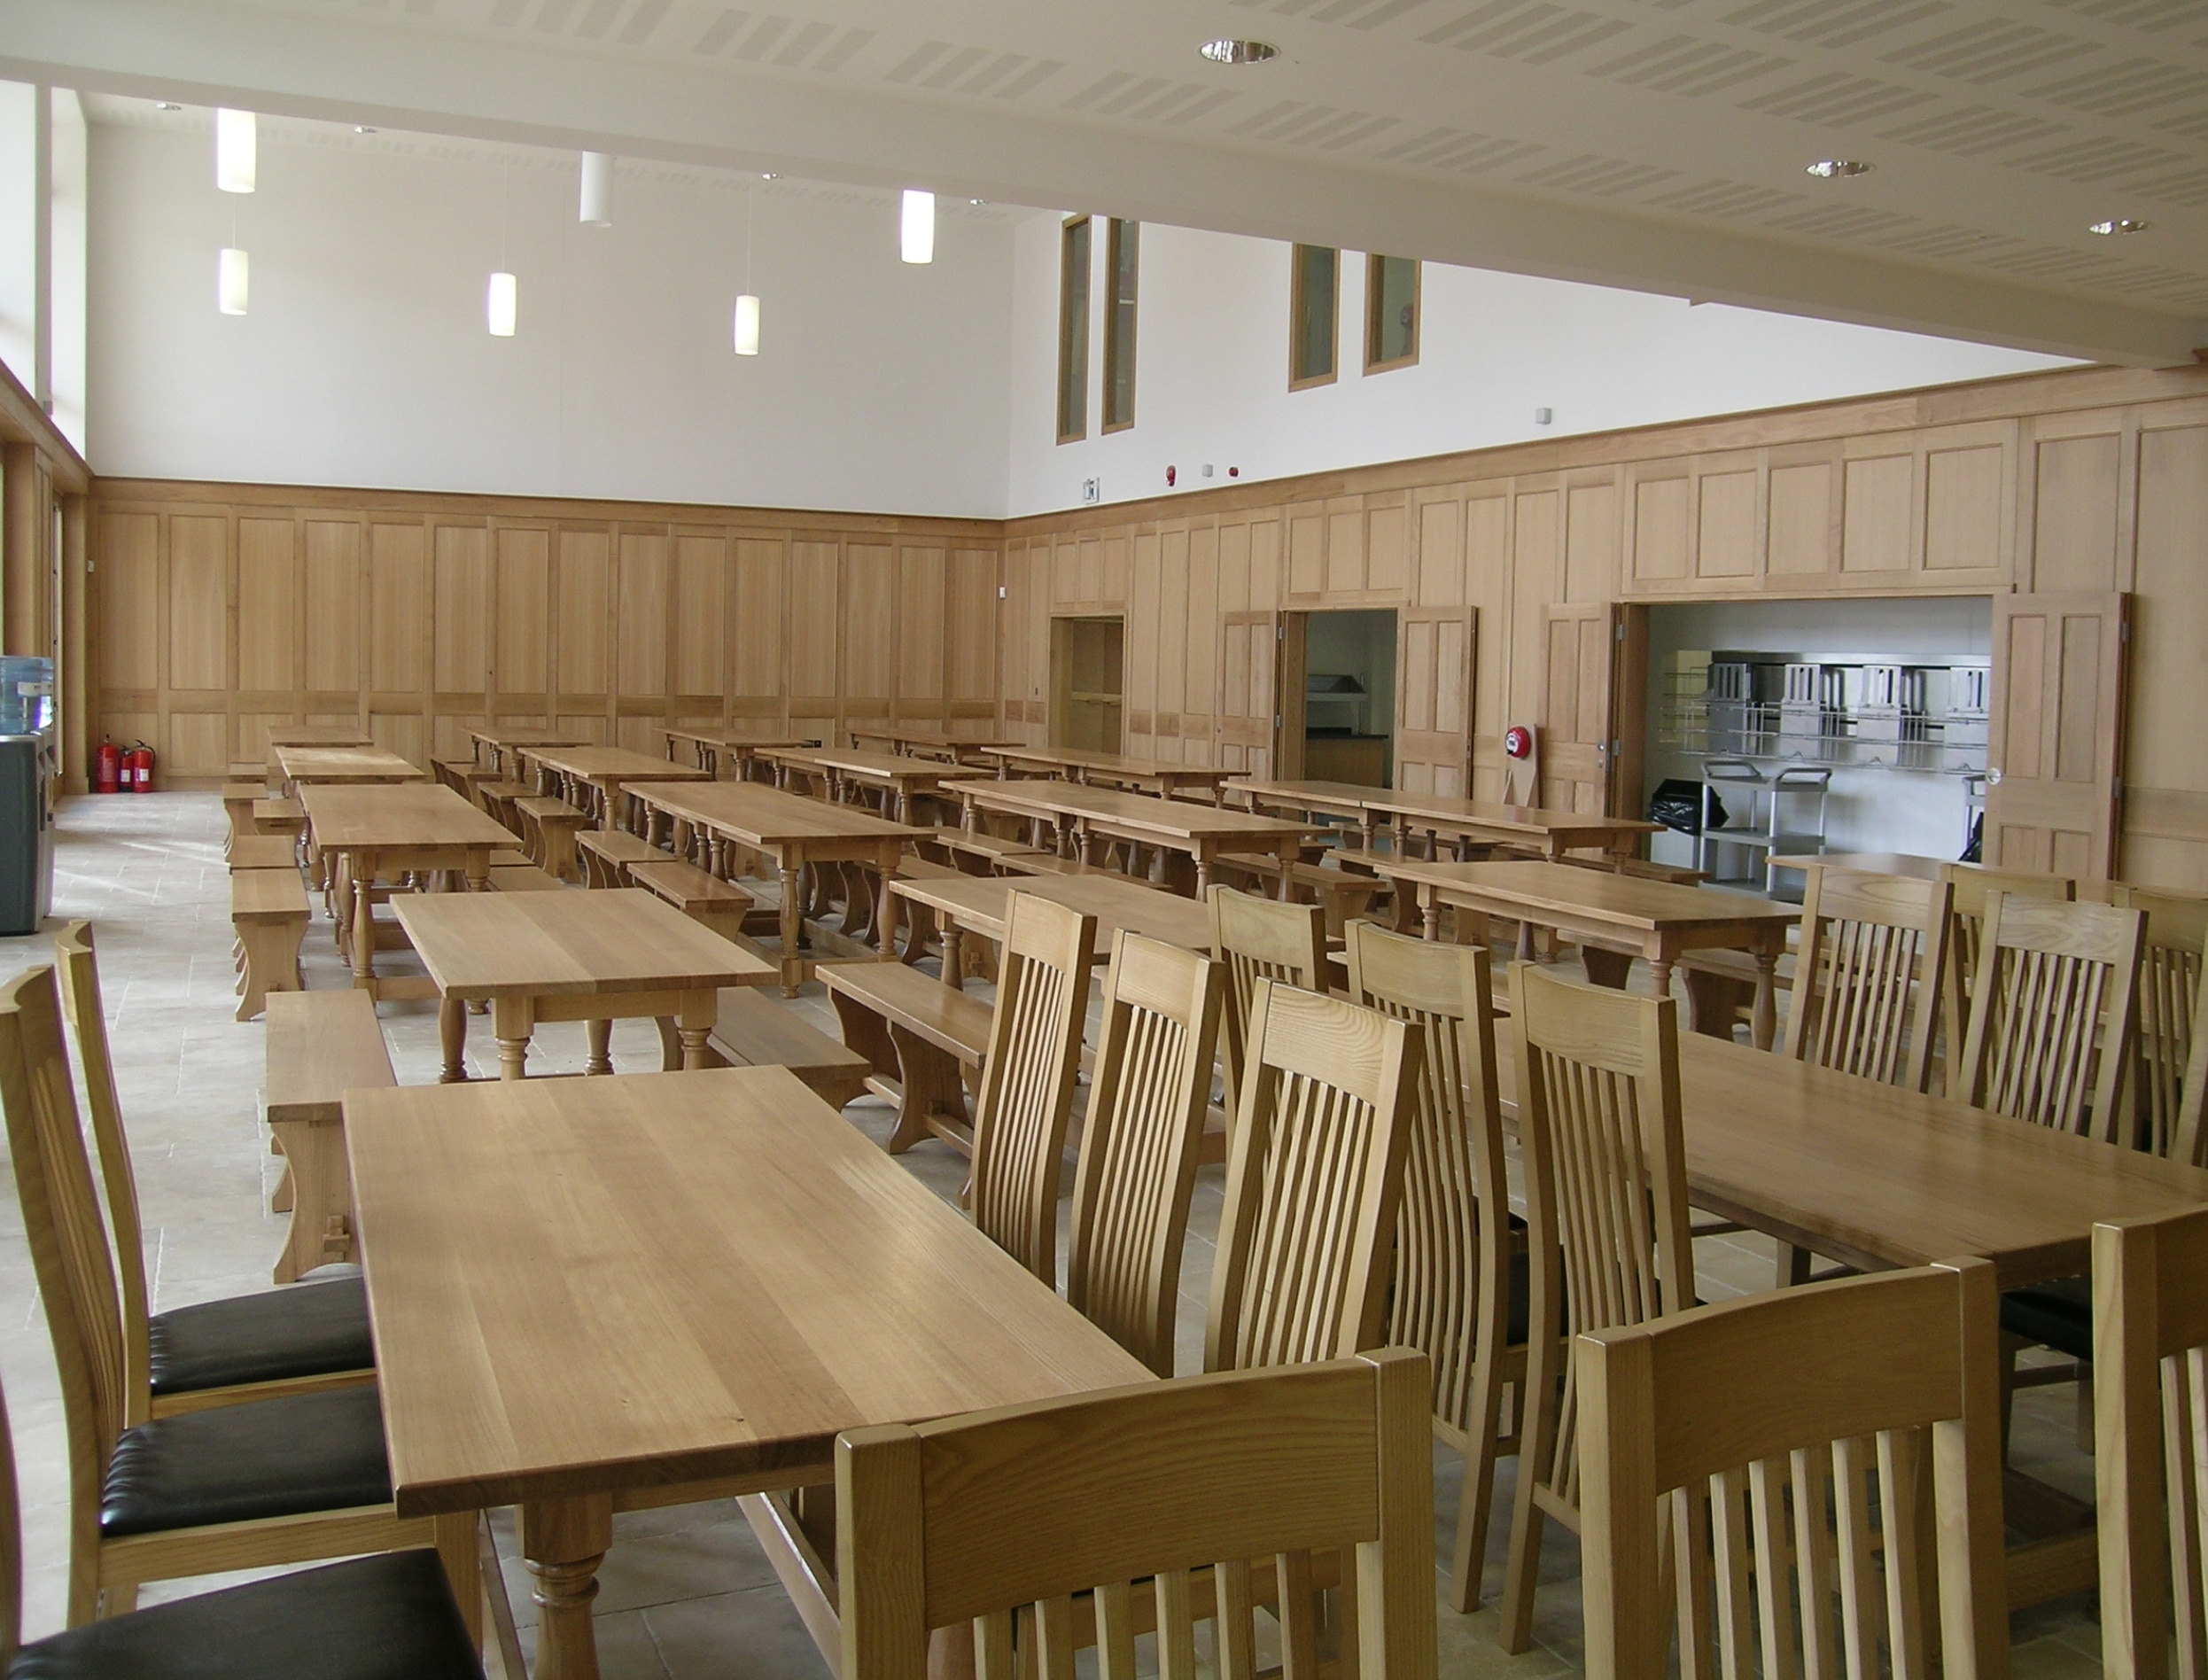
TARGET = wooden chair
(238,1486)
(1026,1098)
(1973,886)
(2150,1380)
(2052,1007)
(2169,993)
(1459,1290)
(1599,1128)
(1261,939)
(1314,1181)
(245,1348)
(1148,1503)
(1867,984)
(398,1606)
(1792,1436)
(1138,1148)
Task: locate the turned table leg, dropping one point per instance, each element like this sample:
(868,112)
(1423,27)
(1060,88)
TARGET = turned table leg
(562,1543)
(793,965)
(452,1037)
(513,1020)
(700,1011)
(1763,1021)
(599,1031)
(365,921)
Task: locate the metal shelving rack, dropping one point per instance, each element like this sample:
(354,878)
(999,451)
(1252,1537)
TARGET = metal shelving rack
(1828,711)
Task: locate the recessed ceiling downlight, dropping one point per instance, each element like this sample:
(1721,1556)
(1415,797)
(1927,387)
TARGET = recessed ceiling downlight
(1838,168)
(2119,224)
(1239,52)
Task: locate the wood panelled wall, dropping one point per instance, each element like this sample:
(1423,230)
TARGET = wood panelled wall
(221,611)
(2083,482)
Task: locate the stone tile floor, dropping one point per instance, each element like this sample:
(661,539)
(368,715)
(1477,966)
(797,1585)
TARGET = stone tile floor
(686,1592)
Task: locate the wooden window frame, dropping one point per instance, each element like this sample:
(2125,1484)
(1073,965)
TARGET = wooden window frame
(1068,274)
(1116,229)
(1372,361)
(1295,319)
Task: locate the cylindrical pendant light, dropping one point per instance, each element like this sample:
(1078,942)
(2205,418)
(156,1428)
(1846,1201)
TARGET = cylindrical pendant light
(918,226)
(230,282)
(499,305)
(597,202)
(747,333)
(235,134)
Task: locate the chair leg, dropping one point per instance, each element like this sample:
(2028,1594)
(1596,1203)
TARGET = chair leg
(460,1553)
(2011,1345)
(1522,1573)
(1476,1503)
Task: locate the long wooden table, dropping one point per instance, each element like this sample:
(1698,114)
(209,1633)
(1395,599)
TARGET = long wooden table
(1106,769)
(594,957)
(598,1295)
(794,832)
(708,747)
(360,832)
(1654,920)
(925,743)
(1093,817)
(980,904)
(311,734)
(899,777)
(305,765)
(1479,822)
(499,740)
(594,778)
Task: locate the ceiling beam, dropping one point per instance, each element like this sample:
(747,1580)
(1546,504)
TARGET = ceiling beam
(337,66)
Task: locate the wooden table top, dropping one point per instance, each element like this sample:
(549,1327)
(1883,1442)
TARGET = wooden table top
(503,737)
(611,764)
(1180,818)
(1310,796)
(345,764)
(1892,863)
(1623,901)
(344,818)
(983,902)
(493,945)
(763,816)
(729,739)
(320,735)
(580,1286)
(885,766)
(1435,807)
(1876,1175)
(1101,763)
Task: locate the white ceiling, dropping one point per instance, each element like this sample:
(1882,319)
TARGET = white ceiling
(1657,144)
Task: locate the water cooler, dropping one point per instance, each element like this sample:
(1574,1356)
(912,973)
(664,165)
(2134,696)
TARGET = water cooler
(29,759)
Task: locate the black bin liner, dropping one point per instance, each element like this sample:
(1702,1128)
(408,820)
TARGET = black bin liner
(1677,804)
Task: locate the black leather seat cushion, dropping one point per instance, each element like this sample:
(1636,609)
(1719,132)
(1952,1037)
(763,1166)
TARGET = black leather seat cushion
(308,1330)
(2057,1315)
(263,1459)
(384,1618)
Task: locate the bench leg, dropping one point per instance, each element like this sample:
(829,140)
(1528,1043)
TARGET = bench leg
(868,1034)
(933,1101)
(671,1046)
(1715,1002)
(271,961)
(321,1213)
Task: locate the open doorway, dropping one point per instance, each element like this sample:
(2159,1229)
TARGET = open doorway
(1347,682)
(1088,657)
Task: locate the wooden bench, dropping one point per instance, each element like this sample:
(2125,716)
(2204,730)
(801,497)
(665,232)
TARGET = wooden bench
(919,1037)
(319,1045)
(1721,988)
(1345,894)
(497,798)
(987,852)
(286,817)
(461,774)
(716,904)
(255,771)
(606,856)
(524,877)
(755,1031)
(268,912)
(238,800)
(548,833)
(262,851)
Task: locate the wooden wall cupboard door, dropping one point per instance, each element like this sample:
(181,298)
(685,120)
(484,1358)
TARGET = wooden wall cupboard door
(1435,657)
(1248,690)
(1591,706)
(2056,755)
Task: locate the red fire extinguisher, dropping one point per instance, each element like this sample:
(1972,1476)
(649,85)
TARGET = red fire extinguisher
(138,768)
(107,771)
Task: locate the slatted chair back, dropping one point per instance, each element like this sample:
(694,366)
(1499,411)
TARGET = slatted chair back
(2051,1013)
(2169,994)
(1261,939)
(70,1252)
(1777,1448)
(1973,886)
(1867,984)
(2189,1142)
(1605,1162)
(78,971)
(1093,1518)
(1314,1181)
(1448,1294)
(2150,1441)
(1147,1100)
(1026,1098)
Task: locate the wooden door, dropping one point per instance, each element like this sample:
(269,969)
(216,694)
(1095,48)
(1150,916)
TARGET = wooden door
(1578,728)
(1436,649)
(2055,760)
(1248,704)
(1292,686)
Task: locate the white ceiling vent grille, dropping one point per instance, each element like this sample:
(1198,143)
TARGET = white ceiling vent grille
(1353,14)
(1458,152)
(1837,100)
(1830,25)
(1597,177)
(2099,159)
(942,65)
(1688,66)
(1727,201)
(1971,131)
(2126,89)
(1989,52)
(746,37)
(1528,31)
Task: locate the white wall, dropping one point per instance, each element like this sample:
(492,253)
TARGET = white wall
(18,202)
(1212,349)
(71,224)
(364,359)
